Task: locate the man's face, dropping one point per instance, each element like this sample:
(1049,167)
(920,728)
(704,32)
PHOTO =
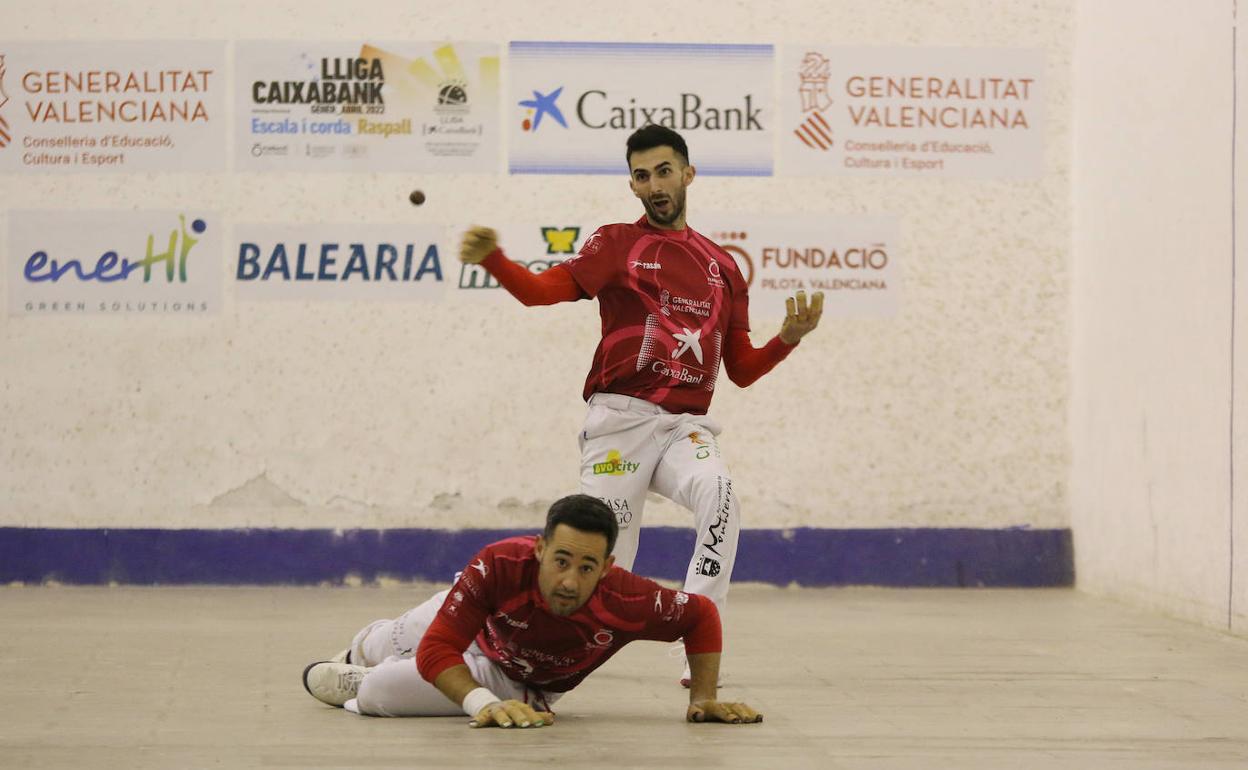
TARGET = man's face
(659,178)
(572,562)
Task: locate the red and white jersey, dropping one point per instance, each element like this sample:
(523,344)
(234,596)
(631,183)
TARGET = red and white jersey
(667,300)
(496,600)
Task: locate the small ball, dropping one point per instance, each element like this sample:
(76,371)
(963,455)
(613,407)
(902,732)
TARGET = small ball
(417,197)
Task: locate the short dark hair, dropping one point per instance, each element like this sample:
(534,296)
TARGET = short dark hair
(653,135)
(585,513)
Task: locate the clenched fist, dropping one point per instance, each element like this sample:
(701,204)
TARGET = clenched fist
(477,244)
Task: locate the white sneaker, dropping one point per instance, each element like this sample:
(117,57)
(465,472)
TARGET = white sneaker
(342,657)
(332,682)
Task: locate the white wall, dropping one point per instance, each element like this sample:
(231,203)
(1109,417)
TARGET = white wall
(951,414)
(1152,296)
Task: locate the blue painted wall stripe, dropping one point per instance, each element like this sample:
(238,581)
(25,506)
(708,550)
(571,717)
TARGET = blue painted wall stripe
(808,557)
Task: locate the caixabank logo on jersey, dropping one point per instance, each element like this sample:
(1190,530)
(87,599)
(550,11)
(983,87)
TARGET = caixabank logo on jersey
(337,262)
(68,262)
(573,105)
(852,260)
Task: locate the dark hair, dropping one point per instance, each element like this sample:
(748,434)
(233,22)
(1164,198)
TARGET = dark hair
(653,135)
(584,513)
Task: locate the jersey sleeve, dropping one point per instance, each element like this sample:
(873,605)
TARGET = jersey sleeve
(545,289)
(594,266)
(746,363)
(459,620)
(667,615)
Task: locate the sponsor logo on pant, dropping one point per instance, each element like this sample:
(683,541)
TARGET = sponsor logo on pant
(623,514)
(708,566)
(615,465)
(703,446)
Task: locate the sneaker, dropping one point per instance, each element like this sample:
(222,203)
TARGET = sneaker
(332,682)
(342,657)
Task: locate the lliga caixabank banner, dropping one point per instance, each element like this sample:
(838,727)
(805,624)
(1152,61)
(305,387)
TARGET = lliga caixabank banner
(914,111)
(571,106)
(366,106)
(852,259)
(87,107)
(115,262)
(350,262)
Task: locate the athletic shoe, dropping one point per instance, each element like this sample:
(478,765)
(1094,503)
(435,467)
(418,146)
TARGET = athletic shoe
(331,682)
(342,657)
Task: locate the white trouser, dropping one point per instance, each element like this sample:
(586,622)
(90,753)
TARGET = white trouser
(394,688)
(630,447)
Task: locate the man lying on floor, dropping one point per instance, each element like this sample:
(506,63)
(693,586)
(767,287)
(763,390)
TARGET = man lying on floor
(526,621)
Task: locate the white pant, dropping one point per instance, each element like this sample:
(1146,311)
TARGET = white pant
(629,447)
(394,688)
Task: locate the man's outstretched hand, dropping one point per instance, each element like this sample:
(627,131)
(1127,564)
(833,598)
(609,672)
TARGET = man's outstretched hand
(511,713)
(477,244)
(800,319)
(719,711)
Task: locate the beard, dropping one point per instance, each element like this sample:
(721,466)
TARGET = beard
(673,211)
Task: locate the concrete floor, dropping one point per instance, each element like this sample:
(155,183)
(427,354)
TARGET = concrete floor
(847,678)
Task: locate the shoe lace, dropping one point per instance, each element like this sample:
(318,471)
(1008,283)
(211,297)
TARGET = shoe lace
(350,680)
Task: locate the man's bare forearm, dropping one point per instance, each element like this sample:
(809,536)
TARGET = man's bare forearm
(455,683)
(703,677)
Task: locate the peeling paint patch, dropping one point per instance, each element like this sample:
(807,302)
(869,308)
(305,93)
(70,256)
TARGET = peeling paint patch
(259,492)
(446,502)
(347,503)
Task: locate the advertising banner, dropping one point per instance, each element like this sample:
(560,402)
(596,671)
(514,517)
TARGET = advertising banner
(946,112)
(341,106)
(571,106)
(386,262)
(853,260)
(138,262)
(538,247)
(87,107)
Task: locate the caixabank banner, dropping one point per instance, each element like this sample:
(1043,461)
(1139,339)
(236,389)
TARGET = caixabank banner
(366,106)
(571,106)
(89,107)
(912,111)
(114,262)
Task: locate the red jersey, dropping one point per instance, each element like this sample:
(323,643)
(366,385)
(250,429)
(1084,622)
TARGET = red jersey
(668,299)
(496,600)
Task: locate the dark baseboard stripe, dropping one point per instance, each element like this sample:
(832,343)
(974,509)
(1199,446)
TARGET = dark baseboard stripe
(931,557)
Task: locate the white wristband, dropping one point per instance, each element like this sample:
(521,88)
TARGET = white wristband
(479,699)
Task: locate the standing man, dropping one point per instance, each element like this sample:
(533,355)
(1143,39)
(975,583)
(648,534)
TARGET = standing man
(527,620)
(673,306)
